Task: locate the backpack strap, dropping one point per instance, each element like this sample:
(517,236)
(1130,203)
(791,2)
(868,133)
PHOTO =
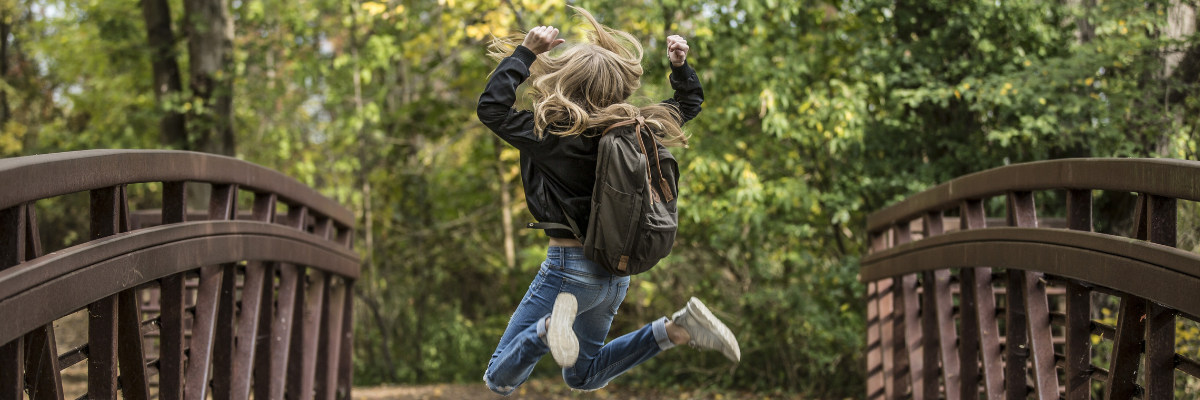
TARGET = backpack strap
(574,228)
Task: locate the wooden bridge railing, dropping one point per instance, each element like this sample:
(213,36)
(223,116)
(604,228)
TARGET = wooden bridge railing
(231,305)
(943,323)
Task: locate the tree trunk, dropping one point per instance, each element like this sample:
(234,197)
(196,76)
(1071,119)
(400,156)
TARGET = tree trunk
(210,52)
(172,128)
(506,217)
(1181,24)
(7,17)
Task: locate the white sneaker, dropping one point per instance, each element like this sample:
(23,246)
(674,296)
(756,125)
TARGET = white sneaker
(564,346)
(707,332)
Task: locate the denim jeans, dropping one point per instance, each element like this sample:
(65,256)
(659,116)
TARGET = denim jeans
(599,295)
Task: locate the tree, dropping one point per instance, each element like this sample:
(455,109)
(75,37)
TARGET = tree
(167,87)
(210,53)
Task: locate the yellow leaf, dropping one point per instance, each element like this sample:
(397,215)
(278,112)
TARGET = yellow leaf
(374,8)
(1007,85)
(849,116)
(957,95)
(1028,63)
(1042,101)
(966,86)
(1088,82)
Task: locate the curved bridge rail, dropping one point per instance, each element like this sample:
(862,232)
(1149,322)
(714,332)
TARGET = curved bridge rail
(220,307)
(1027,330)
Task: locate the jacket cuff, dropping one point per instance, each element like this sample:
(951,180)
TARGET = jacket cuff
(682,71)
(525,55)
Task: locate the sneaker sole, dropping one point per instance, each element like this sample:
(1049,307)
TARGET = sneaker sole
(707,318)
(564,346)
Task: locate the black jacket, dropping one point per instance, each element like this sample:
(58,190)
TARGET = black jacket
(559,171)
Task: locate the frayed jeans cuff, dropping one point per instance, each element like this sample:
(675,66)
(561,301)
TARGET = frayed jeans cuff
(660,334)
(541,329)
(500,390)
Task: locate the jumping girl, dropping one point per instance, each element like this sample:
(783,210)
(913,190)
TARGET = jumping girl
(570,305)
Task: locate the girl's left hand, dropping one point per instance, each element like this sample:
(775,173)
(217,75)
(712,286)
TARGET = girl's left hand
(541,39)
(677,49)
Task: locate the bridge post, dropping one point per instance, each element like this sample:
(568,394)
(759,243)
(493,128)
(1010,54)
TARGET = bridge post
(938,318)
(102,314)
(1160,320)
(1078,335)
(888,349)
(171,304)
(908,328)
(12,252)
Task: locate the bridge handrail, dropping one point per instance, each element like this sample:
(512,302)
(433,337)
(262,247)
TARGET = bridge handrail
(289,330)
(912,340)
(39,290)
(1178,179)
(77,171)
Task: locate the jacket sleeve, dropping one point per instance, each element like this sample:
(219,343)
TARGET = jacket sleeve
(496,104)
(688,93)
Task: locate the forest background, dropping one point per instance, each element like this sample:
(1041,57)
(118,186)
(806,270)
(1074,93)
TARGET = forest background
(817,113)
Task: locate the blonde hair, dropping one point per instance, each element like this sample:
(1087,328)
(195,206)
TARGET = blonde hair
(587,85)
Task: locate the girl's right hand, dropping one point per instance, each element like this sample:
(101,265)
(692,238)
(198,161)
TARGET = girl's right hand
(677,49)
(541,39)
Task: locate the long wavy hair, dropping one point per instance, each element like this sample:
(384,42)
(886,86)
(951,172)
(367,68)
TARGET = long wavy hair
(588,85)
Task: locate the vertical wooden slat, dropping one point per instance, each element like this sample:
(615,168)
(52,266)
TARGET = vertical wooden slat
(302,369)
(874,355)
(290,304)
(12,236)
(102,315)
(932,225)
(1078,347)
(264,207)
(222,205)
(130,343)
(42,378)
(12,252)
(174,200)
(264,211)
(12,373)
(171,304)
(913,341)
(134,382)
(1127,349)
(1020,209)
(247,330)
(907,331)
(223,336)
(1160,320)
(297,216)
(346,365)
(265,340)
(330,343)
(325,228)
(941,310)
(1028,314)
(980,328)
(887,335)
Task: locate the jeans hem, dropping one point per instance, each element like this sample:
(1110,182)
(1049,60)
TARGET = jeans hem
(660,334)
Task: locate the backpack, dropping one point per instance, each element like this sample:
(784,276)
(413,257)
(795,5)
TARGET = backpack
(634,217)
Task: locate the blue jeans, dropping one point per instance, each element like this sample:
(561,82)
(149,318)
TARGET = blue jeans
(599,295)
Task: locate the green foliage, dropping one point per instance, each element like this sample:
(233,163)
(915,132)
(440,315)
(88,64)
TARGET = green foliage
(817,113)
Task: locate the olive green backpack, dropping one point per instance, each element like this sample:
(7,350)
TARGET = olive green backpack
(634,216)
